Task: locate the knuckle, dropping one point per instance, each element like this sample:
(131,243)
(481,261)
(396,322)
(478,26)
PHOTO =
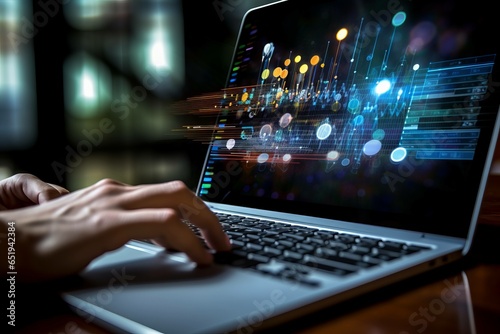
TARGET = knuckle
(107,187)
(178,186)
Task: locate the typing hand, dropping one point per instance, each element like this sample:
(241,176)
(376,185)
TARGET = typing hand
(61,236)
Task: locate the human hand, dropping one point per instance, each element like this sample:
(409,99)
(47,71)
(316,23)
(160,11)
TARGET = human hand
(62,236)
(24,189)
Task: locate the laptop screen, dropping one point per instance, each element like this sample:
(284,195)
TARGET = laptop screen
(376,112)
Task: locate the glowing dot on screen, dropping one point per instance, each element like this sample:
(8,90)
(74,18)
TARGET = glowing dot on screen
(284,74)
(324,130)
(265,74)
(378,134)
(341,34)
(244,97)
(332,155)
(263,157)
(398,154)
(416,67)
(398,19)
(345,162)
(287,157)
(372,147)
(230,143)
(358,120)
(314,60)
(336,106)
(265,131)
(353,105)
(285,120)
(277,72)
(382,87)
(303,68)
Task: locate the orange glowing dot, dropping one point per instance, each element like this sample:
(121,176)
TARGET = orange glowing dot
(277,72)
(314,60)
(284,74)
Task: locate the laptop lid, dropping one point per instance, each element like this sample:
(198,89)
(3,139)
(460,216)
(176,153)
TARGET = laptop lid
(378,113)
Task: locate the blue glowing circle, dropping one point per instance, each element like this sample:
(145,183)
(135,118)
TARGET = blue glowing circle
(398,154)
(398,19)
(372,147)
(323,131)
(358,120)
(353,105)
(378,134)
(263,157)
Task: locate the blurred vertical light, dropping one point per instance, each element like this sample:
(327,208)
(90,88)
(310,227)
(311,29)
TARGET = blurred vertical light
(158,54)
(158,46)
(87,14)
(87,89)
(18,128)
(88,85)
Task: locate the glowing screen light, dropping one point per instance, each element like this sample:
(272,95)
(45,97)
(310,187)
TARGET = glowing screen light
(372,147)
(323,131)
(382,87)
(398,154)
(341,34)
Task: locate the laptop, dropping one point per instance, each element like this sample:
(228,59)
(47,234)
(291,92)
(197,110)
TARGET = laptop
(351,149)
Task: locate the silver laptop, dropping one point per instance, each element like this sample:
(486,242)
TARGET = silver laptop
(351,150)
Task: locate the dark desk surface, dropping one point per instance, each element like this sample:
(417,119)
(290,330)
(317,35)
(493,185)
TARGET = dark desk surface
(462,298)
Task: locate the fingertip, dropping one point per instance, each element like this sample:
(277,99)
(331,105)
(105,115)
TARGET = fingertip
(228,243)
(205,260)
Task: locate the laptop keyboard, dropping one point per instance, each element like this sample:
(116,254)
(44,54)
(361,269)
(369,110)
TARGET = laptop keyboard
(291,252)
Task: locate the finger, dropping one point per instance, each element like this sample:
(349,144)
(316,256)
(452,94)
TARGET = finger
(177,196)
(60,189)
(49,194)
(35,191)
(118,227)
